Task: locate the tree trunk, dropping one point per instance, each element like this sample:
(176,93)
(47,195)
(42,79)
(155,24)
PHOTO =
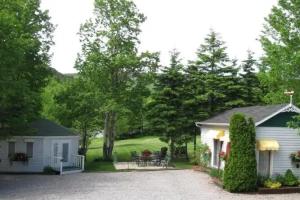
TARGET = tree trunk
(84,141)
(186,151)
(195,139)
(172,148)
(109,135)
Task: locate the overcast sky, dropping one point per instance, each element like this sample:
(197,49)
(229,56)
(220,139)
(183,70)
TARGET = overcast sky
(180,24)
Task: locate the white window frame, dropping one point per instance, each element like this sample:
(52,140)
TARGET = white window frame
(32,149)
(8,145)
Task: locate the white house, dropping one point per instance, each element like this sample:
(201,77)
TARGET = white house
(48,145)
(275,141)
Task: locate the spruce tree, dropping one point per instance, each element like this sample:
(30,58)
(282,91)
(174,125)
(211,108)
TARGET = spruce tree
(195,101)
(218,73)
(165,115)
(252,92)
(240,173)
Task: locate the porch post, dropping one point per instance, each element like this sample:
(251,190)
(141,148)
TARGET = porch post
(61,167)
(82,163)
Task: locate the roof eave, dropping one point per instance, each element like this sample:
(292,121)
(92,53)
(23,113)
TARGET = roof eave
(287,108)
(198,124)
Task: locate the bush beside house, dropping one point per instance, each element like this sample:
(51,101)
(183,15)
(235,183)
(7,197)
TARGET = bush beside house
(240,173)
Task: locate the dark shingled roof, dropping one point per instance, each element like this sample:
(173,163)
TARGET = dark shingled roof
(44,127)
(258,113)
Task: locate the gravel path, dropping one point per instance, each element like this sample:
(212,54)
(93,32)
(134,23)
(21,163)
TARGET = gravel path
(154,185)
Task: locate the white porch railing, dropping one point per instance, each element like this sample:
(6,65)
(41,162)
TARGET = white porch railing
(78,161)
(76,164)
(56,163)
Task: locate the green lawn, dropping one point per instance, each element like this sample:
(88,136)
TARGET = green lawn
(122,151)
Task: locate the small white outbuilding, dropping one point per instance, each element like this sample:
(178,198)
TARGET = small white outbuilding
(275,141)
(49,145)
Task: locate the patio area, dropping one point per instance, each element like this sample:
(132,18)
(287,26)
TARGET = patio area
(135,166)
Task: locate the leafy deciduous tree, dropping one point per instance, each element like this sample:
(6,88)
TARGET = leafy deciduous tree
(110,61)
(280,41)
(25,39)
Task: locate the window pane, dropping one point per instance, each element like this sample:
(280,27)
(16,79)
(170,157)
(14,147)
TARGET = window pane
(11,149)
(65,152)
(29,149)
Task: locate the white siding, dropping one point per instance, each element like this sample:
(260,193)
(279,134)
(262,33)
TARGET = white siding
(42,148)
(207,137)
(288,139)
(289,142)
(35,164)
(74,145)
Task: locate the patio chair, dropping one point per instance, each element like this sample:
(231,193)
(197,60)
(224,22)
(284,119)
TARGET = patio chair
(135,157)
(162,154)
(165,161)
(155,158)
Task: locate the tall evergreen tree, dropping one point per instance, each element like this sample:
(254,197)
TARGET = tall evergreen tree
(194,99)
(218,73)
(166,115)
(252,92)
(240,174)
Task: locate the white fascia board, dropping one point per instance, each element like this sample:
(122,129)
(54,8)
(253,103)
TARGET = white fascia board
(288,108)
(51,137)
(211,124)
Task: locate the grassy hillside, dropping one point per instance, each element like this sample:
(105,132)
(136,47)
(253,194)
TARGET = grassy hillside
(122,151)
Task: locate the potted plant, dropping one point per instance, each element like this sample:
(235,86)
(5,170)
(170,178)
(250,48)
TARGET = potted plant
(18,157)
(222,155)
(295,158)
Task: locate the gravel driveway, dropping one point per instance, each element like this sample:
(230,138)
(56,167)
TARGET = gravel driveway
(155,185)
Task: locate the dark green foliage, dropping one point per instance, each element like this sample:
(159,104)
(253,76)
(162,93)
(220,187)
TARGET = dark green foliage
(25,32)
(295,123)
(279,178)
(129,135)
(261,180)
(213,82)
(166,115)
(240,169)
(290,179)
(251,90)
(216,173)
(218,83)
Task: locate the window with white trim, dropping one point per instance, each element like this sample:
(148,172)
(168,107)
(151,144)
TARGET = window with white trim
(11,148)
(29,149)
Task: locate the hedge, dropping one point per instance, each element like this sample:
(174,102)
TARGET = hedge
(240,173)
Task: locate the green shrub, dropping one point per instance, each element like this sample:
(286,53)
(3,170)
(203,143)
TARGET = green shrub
(98,159)
(273,184)
(49,170)
(240,170)
(202,156)
(216,173)
(261,180)
(279,178)
(290,179)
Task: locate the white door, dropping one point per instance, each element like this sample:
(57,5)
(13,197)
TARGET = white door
(264,163)
(61,151)
(217,149)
